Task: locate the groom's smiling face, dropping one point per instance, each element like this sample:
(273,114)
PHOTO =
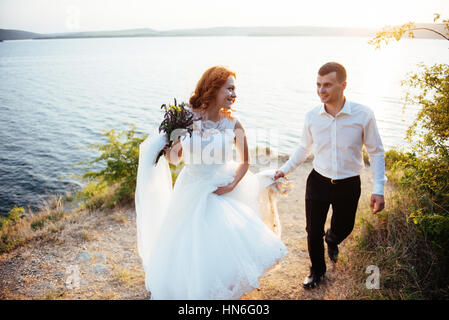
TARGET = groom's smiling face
(329,88)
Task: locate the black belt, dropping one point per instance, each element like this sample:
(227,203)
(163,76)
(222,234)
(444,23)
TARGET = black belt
(335,181)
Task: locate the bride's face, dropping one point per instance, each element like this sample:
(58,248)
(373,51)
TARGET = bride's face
(226,95)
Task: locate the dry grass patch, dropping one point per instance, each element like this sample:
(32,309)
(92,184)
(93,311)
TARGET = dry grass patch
(19,227)
(119,217)
(124,276)
(87,235)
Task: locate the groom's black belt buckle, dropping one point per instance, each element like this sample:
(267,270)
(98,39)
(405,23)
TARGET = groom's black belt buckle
(335,181)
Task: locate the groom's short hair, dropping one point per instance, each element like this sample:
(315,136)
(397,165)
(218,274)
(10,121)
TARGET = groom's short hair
(333,67)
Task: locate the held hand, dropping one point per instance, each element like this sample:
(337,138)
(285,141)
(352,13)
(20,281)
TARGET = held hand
(169,150)
(225,189)
(278,174)
(377,203)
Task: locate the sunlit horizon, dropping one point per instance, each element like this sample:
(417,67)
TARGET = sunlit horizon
(55,16)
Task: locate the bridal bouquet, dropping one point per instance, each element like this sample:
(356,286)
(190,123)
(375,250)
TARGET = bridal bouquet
(175,117)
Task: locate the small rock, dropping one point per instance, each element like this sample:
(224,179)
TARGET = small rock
(34,292)
(83,256)
(98,268)
(45,286)
(59,274)
(37,272)
(100,257)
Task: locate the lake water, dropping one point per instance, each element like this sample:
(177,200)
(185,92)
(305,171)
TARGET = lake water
(56,96)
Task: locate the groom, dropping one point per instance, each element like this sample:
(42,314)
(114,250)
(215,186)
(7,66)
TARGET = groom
(335,132)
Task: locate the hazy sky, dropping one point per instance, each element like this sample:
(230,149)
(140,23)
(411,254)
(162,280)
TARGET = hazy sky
(46,16)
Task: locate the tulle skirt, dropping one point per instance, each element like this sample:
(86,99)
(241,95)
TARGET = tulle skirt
(211,246)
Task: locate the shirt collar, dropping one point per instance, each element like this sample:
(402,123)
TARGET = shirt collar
(346,108)
(322,109)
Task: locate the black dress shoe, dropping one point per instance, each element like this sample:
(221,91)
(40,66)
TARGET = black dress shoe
(312,280)
(332,251)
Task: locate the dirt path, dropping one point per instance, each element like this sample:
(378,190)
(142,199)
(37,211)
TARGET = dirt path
(101,248)
(285,281)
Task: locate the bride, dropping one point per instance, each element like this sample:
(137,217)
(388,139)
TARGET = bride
(216,231)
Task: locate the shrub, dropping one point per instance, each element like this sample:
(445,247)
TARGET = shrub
(409,241)
(119,156)
(37,224)
(13,216)
(116,182)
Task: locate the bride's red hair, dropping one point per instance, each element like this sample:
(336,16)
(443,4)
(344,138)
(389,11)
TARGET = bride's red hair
(207,87)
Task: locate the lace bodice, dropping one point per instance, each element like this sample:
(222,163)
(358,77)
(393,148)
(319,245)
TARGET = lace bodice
(211,145)
(223,124)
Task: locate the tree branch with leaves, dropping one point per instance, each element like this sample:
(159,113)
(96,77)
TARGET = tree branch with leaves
(389,33)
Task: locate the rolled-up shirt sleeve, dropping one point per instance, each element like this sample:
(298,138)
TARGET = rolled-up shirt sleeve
(303,150)
(374,146)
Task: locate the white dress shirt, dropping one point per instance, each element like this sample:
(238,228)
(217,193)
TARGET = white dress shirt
(336,143)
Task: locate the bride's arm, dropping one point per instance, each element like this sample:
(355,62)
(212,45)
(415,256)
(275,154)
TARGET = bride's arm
(241,145)
(174,154)
(242,149)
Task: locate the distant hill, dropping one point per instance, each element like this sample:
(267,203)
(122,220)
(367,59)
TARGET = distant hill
(145,32)
(271,31)
(218,31)
(7,34)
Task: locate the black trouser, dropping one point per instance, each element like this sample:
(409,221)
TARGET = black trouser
(320,194)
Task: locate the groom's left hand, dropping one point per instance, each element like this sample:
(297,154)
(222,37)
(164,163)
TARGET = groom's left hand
(377,203)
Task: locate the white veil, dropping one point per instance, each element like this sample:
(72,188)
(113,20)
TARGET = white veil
(153,193)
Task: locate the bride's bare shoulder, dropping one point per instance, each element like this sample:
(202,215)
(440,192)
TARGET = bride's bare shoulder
(238,125)
(235,123)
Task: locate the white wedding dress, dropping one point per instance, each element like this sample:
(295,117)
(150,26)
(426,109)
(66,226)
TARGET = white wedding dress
(195,244)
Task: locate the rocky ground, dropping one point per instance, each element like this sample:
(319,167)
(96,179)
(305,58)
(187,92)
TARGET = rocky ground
(93,255)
